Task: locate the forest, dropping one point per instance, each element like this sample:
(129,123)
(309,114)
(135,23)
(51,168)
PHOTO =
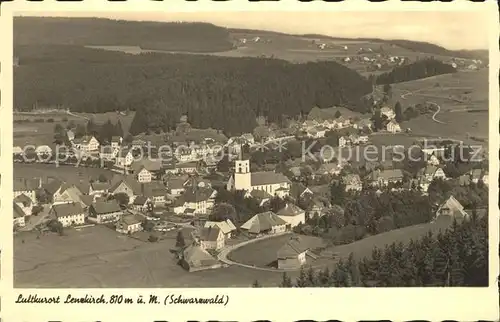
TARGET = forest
(417,70)
(456,257)
(168,36)
(221,93)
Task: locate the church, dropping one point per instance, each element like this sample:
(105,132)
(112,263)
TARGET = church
(275,184)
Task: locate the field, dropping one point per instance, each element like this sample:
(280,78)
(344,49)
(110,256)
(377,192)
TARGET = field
(67,173)
(457,94)
(263,253)
(98,257)
(31,132)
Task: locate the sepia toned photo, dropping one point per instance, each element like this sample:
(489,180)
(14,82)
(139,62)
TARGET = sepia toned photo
(250,149)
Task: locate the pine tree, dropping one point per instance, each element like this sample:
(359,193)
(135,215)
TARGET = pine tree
(256,284)
(286,280)
(302,281)
(118,131)
(311,277)
(180,242)
(399,112)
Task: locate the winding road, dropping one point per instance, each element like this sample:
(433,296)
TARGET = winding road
(403,96)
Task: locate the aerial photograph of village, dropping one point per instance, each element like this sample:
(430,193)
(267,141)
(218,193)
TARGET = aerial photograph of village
(216,151)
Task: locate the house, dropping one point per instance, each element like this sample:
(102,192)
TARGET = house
(195,258)
(430,173)
(124,158)
(175,185)
(433,160)
(187,167)
(380,178)
(319,206)
(154,167)
(25,203)
(107,153)
(292,255)
(141,203)
(43,150)
(393,127)
(196,200)
(298,191)
(156,191)
(352,182)
(104,211)
(452,209)
(28,187)
(116,142)
(329,168)
(344,141)
(227,227)
(129,224)
(143,175)
(68,214)
(67,193)
(86,144)
(127,185)
(211,238)
(271,182)
(261,196)
(363,139)
(388,112)
(99,188)
(19,215)
(292,214)
(264,223)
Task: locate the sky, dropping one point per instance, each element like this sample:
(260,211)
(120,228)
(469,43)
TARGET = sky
(453,30)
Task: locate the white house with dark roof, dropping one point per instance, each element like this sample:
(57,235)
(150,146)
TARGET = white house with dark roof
(388,112)
(292,214)
(140,203)
(381,178)
(264,223)
(25,203)
(27,187)
(275,184)
(124,158)
(129,224)
(211,237)
(393,126)
(127,185)
(86,144)
(453,209)
(19,215)
(104,211)
(68,214)
(227,227)
(196,200)
(292,254)
(195,258)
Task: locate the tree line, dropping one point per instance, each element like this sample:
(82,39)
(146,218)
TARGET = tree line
(417,70)
(169,36)
(217,92)
(455,257)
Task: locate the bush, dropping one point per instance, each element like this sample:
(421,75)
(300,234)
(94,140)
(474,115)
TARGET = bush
(152,239)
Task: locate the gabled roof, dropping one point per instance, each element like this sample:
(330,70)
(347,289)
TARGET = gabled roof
(260,194)
(197,194)
(128,180)
(24,199)
(454,206)
(105,207)
(292,248)
(100,186)
(225,226)
(18,211)
(262,222)
(195,256)
(129,220)
(263,178)
(290,210)
(67,209)
(140,201)
(210,233)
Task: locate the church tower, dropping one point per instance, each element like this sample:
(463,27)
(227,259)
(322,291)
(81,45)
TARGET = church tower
(242,175)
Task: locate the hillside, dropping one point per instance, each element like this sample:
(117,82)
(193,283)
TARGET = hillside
(217,92)
(417,70)
(169,36)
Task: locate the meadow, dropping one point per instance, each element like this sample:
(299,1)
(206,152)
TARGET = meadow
(68,173)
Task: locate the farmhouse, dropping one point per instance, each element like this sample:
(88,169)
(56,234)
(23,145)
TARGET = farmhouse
(19,215)
(195,258)
(381,178)
(86,144)
(141,203)
(26,187)
(452,208)
(264,223)
(67,193)
(270,182)
(156,191)
(68,214)
(107,153)
(195,200)
(104,211)
(99,188)
(129,224)
(292,214)
(227,227)
(211,238)
(388,112)
(393,127)
(292,255)
(126,185)
(432,172)
(143,175)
